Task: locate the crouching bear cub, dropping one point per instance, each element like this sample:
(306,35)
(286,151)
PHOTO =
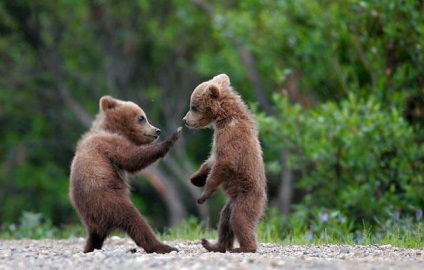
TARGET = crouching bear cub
(120,141)
(235,163)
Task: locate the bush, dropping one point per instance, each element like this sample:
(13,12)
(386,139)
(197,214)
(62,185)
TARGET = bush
(36,226)
(356,158)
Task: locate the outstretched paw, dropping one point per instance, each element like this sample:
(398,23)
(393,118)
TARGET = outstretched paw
(177,134)
(170,141)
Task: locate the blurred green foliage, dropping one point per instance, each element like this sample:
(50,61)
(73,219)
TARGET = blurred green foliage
(325,228)
(356,157)
(337,84)
(36,226)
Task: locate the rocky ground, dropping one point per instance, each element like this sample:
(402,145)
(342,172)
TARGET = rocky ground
(119,253)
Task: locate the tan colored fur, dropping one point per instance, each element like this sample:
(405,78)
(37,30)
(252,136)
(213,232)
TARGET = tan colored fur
(120,141)
(235,162)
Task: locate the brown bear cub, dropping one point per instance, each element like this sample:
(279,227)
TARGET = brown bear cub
(235,163)
(120,141)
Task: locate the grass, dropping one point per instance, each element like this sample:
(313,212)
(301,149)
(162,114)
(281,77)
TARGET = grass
(191,230)
(406,233)
(35,226)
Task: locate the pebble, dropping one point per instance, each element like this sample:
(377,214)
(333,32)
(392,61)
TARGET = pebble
(121,253)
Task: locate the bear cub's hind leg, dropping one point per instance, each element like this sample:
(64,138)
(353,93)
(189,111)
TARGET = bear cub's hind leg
(142,234)
(94,241)
(244,223)
(225,232)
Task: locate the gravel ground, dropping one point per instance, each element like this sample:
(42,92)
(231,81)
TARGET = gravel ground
(119,253)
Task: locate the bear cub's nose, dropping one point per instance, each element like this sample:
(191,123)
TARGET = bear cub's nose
(184,120)
(158,131)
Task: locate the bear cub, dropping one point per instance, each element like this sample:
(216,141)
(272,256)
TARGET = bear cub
(119,142)
(235,163)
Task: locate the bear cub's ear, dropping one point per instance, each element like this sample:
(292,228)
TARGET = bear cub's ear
(214,91)
(222,79)
(108,102)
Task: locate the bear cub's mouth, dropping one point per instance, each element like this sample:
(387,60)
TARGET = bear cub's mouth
(151,136)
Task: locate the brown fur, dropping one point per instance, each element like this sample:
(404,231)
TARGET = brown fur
(235,163)
(120,141)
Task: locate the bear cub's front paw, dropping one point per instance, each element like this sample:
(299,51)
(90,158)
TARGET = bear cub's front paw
(198,180)
(176,135)
(170,141)
(202,199)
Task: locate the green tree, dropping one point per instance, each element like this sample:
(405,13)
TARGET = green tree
(60,57)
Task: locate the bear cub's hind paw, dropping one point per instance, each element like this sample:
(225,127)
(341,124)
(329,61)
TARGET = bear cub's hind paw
(212,248)
(162,249)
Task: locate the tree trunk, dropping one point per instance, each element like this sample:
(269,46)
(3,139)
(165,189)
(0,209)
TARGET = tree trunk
(166,188)
(285,192)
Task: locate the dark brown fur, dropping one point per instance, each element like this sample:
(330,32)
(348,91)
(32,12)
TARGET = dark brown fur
(235,163)
(120,141)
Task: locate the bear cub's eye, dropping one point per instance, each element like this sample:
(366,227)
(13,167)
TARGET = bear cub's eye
(194,108)
(141,118)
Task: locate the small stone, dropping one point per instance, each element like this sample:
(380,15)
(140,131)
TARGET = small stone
(277,263)
(99,253)
(116,252)
(142,259)
(29,254)
(132,250)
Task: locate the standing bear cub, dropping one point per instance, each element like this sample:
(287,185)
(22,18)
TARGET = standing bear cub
(235,163)
(120,141)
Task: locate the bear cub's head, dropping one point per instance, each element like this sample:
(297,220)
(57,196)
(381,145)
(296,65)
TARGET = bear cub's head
(126,119)
(206,102)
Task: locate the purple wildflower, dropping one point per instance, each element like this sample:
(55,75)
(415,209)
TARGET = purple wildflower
(418,214)
(397,216)
(323,217)
(359,239)
(309,236)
